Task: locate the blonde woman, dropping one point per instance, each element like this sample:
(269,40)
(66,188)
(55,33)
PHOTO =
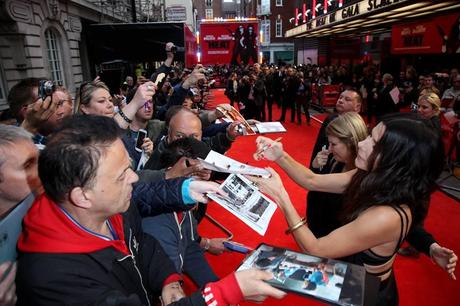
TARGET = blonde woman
(429,107)
(94,98)
(343,133)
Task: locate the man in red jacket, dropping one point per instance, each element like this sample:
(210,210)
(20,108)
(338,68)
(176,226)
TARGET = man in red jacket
(82,242)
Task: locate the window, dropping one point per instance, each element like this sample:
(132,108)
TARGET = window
(54,56)
(209,3)
(264,7)
(266,30)
(209,14)
(279,28)
(279,3)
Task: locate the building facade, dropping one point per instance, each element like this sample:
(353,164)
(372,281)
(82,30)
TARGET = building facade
(275,19)
(389,34)
(227,9)
(45,39)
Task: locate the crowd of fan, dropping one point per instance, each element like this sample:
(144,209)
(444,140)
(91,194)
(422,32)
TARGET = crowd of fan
(107,191)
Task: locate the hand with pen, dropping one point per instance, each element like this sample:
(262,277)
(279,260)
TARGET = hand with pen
(268,149)
(321,158)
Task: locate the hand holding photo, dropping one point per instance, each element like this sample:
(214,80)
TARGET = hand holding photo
(246,202)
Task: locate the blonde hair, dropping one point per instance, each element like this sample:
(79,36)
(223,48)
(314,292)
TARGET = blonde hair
(350,129)
(433,99)
(85,94)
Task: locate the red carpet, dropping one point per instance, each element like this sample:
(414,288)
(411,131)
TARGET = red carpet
(420,282)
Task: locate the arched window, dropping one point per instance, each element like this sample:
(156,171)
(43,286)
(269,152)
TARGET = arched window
(53,49)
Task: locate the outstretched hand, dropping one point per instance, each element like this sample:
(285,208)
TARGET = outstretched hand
(273,186)
(182,168)
(196,75)
(144,93)
(445,258)
(253,286)
(268,149)
(199,189)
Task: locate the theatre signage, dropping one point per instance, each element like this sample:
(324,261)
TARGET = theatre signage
(430,36)
(340,15)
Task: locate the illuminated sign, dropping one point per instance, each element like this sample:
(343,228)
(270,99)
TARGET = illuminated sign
(342,14)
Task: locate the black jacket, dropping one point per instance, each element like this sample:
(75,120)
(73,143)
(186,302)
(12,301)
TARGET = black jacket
(104,277)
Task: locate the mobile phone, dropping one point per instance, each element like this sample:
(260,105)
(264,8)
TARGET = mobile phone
(236,247)
(140,139)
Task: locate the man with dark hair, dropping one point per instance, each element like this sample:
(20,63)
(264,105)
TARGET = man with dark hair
(39,117)
(82,242)
(22,94)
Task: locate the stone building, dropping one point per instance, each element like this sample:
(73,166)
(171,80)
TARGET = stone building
(46,38)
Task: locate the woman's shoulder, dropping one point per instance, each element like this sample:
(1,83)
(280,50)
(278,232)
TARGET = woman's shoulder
(387,215)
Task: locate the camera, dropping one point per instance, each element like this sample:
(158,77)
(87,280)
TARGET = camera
(173,49)
(45,89)
(240,129)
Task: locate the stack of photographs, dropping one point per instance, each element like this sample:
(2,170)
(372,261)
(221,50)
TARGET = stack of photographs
(246,202)
(328,280)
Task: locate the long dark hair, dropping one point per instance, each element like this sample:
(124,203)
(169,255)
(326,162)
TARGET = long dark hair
(403,169)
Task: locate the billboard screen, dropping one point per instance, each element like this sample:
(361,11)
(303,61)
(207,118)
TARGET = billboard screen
(431,36)
(229,43)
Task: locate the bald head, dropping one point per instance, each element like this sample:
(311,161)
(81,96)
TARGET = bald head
(183,124)
(349,101)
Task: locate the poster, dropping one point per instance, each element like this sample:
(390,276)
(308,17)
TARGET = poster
(229,42)
(430,36)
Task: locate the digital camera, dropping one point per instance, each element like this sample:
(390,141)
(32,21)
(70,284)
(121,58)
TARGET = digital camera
(46,89)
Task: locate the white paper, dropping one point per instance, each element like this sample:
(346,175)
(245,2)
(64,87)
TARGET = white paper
(221,163)
(270,127)
(246,203)
(394,93)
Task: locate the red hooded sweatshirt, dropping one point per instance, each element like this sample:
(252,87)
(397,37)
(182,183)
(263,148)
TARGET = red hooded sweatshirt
(48,230)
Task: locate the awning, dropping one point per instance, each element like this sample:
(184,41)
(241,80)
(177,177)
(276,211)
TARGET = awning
(138,42)
(364,16)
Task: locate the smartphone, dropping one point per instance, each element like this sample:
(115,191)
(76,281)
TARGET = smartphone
(236,247)
(140,139)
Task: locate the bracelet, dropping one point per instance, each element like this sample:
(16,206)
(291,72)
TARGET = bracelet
(206,243)
(296,226)
(122,115)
